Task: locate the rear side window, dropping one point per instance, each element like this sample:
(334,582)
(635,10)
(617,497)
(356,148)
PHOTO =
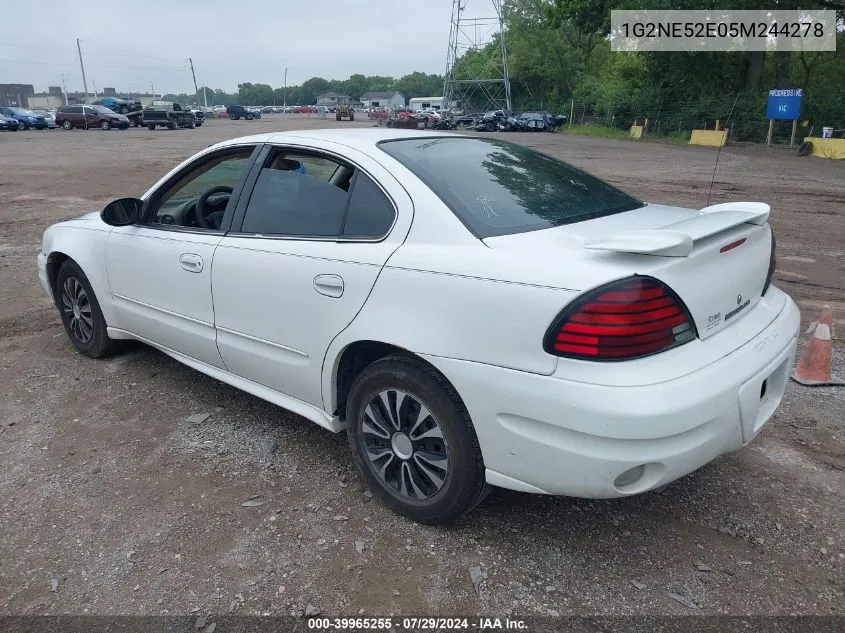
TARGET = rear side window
(288,202)
(499,188)
(370,213)
(306,195)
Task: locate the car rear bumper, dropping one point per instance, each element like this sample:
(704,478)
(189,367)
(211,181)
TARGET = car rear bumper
(550,435)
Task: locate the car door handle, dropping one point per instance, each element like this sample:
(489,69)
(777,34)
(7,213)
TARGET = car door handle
(191,262)
(329,285)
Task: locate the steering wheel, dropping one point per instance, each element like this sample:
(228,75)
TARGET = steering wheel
(212,220)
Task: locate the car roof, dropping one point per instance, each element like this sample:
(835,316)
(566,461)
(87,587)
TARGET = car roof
(360,138)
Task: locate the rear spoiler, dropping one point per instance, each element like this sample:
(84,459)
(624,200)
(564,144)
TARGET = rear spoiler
(676,240)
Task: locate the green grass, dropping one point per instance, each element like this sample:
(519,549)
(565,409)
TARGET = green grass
(681,138)
(591,129)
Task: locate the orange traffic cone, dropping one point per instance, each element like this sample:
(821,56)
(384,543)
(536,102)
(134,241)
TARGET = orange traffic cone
(814,366)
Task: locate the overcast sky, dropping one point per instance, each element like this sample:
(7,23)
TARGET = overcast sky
(130,45)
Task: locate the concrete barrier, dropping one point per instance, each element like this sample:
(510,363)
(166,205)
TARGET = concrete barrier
(827,147)
(711,138)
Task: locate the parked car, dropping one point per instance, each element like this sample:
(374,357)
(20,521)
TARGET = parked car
(237,112)
(9,123)
(90,116)
(27,118)
(49,117)
(121,106)
(168,114)
(565,337)
(199,116)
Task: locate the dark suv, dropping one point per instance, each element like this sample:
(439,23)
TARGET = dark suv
(237,111)
(90,116)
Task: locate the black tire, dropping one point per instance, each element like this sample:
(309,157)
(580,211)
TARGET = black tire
(151,127)
(123,109)
(105,125)
(25,127)
(67,125)
(463,485)
(171,125)
(249,117)
(805,148)
(351,117)
(337,116)
(99,344)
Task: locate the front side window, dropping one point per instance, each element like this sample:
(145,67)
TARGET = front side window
(199,198)
(499,188)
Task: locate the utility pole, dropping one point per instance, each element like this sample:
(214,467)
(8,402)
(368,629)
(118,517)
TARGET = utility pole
(64,88)
(285,93)
(94,88)
(82,66)
(196,89)
(152,89)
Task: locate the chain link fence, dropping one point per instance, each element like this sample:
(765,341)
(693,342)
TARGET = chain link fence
(746,124)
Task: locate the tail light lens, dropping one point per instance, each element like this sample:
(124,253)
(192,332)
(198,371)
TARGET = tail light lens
(625,319)
(772,263)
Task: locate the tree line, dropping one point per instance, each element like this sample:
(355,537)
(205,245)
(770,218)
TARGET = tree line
(415,84)
(558,52)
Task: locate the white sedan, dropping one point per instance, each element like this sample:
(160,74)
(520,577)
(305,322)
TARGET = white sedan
(470,311)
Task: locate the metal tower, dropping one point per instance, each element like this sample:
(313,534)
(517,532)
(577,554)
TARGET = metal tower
(477,77)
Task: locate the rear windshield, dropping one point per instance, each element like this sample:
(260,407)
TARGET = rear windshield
(499,188)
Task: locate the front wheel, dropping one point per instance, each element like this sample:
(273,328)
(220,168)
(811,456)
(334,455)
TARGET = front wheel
(151,127)
(413,441)
(80,312)
(67,125)
(248,117)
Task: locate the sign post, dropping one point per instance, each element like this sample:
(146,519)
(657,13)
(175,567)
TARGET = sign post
(784,104)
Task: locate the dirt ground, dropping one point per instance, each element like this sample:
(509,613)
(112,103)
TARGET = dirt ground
(114,501)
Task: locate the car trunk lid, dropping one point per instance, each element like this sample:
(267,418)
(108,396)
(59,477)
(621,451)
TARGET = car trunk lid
(716,259)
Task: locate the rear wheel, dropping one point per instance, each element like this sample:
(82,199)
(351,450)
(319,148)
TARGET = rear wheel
(413,441)
(105,125)
(151,127)
(67,125)
(248,117)
(80,312)
(171,125)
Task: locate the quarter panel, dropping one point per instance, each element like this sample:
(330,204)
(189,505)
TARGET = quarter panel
(467,318)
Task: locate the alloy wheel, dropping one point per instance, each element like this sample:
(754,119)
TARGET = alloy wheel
(77,310)
(404,444)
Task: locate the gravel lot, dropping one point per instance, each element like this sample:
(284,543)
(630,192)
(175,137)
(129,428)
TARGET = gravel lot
(115,500)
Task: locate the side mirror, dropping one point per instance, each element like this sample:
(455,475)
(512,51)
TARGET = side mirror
(122,212)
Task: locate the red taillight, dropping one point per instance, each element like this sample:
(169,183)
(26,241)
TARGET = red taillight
(622,320)
(772,263)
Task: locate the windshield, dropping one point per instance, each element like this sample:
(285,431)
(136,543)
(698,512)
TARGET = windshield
(102,109)
(499,188)
(23,111)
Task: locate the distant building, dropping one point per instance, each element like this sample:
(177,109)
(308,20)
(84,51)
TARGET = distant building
(426,103)
(16,95)
(329,99)
(55,98)
(383,99)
